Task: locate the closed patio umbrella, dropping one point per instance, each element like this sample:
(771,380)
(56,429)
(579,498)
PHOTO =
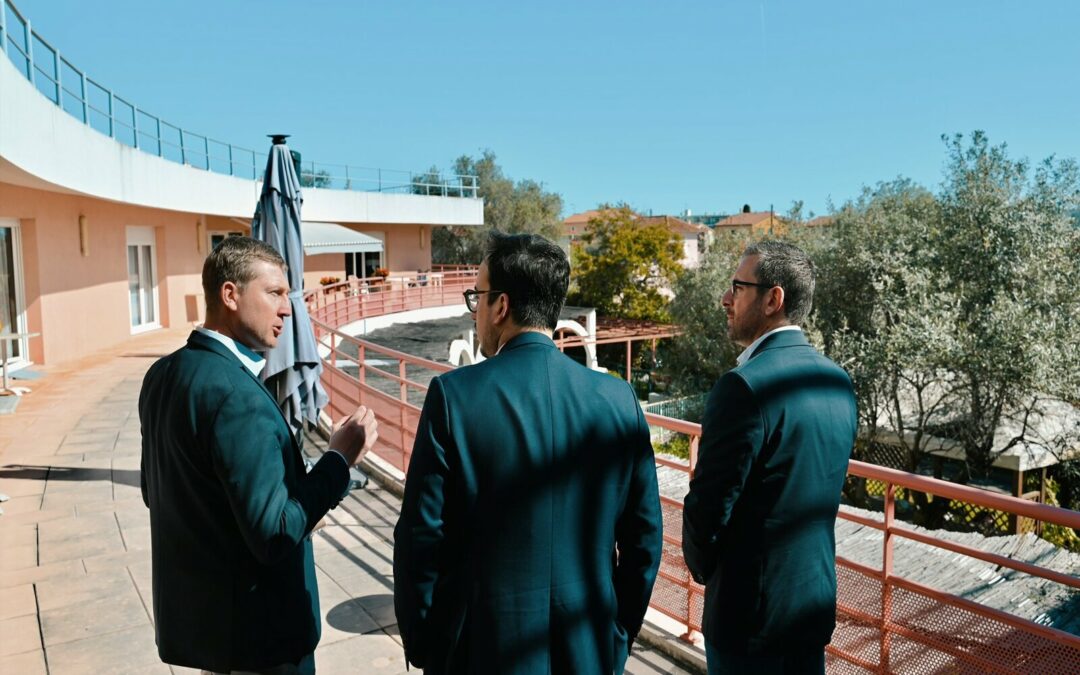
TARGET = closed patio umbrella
(292,367)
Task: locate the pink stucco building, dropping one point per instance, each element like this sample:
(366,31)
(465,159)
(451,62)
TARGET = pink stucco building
(104,224)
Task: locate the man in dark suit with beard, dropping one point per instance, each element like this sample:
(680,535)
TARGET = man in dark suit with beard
(776,438)
(530,532)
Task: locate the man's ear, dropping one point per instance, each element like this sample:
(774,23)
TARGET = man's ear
(230,293)
(774,301)
(502,308)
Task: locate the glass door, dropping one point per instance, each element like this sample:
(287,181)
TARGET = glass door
(12,316)
(142,279)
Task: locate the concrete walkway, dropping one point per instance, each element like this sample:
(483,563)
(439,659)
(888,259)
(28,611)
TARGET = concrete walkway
(75,537)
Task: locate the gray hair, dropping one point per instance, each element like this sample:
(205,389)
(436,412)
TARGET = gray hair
(233,260)
(781,264)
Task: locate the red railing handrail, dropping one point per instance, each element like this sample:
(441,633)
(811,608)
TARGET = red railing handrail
(578,341)
(966,493)
(674,424)
(378,279)
(942,488)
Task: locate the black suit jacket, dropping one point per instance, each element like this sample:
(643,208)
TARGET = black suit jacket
(231,510)
(530,532)
(758,521)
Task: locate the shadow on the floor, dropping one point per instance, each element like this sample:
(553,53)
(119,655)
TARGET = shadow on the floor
(351,616)
(23,472)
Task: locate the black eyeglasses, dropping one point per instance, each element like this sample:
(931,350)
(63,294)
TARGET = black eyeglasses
(472,295)
(735,283)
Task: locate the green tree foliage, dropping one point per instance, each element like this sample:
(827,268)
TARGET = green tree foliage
(622,268)
(433,184)
(319,179)
(1006,253)
(521,207)
(702,353)
(956,312)
(883,315)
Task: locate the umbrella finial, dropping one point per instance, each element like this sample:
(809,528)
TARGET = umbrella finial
(278,139)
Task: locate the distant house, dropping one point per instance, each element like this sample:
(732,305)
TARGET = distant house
(757,222)
(695,237)
(575,226)
(820,221)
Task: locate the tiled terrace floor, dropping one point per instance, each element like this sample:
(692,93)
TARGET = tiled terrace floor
(75,537)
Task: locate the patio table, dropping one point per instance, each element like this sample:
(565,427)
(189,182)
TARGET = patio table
(5,338)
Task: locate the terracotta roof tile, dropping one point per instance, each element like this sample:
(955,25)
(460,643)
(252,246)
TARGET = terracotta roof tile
(745,219)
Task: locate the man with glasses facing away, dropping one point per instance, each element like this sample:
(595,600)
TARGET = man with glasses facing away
(776,439)
(530,531)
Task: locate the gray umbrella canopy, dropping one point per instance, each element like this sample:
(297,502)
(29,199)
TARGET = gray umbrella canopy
(292,367)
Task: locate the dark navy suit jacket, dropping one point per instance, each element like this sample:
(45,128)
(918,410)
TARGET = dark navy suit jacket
(231,511)
(758,521)
(530,533)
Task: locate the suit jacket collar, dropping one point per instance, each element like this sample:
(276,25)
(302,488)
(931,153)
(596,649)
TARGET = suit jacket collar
(200,341)
(527,338)
(251,360)
(784,338)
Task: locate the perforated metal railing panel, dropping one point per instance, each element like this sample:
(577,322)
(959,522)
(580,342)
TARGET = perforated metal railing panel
(931,634)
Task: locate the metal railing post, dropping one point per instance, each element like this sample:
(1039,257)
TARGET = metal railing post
(405,451)
(183,153)
(886,575)
(333,362)
(230,160)
(112,130)
(157,121)
(58,70)
(3,28)
(85,109)
(206,149)
(695,444)
(28,36)
(135,124)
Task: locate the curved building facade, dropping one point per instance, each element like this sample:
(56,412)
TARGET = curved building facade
(103,233)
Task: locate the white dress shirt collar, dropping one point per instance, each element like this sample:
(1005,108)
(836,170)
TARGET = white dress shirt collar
(252,361)
(749,351)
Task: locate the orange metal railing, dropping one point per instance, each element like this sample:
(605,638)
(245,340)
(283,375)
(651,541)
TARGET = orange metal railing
(885,622)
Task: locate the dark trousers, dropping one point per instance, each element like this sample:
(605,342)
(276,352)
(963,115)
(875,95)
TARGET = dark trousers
(306,666)
(803,662)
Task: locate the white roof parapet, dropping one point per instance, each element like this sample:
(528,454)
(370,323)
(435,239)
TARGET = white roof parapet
(45,148)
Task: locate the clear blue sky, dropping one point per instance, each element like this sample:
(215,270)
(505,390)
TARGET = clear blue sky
(666,105)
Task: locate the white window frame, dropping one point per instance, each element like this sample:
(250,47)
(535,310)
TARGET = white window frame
(143,236)
(14,363)
(381,236)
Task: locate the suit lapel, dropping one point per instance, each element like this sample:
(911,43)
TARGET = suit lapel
(199,341)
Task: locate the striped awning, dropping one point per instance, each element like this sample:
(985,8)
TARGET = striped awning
(333,238)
